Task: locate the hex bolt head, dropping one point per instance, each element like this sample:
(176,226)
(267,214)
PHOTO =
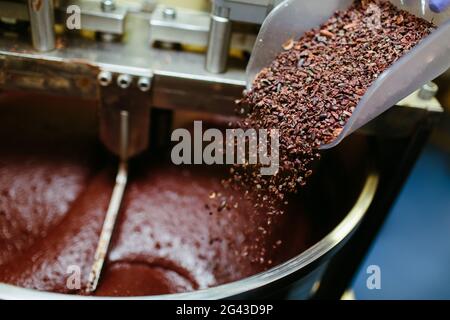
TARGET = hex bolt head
(124,81)
(104,78)
(108,5)
(169,13)
(144,84)
(428,91)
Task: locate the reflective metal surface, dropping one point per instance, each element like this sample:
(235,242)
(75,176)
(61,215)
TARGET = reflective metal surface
(42,22)
(218,44)
(93,17)
(179,76)
(183,26)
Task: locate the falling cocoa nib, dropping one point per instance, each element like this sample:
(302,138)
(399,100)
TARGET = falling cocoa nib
(312,87)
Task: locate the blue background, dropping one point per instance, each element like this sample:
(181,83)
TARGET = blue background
(413,247)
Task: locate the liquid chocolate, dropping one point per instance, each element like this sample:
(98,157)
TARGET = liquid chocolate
(169,237)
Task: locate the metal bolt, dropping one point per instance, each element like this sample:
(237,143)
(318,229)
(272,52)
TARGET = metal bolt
(104,78)
(169,13)
(108,5)
(124,81)
(144,84)
(428,91)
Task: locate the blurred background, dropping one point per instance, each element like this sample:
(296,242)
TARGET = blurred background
(413,247)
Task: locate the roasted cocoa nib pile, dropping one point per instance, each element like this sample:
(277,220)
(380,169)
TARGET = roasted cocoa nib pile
(312,87)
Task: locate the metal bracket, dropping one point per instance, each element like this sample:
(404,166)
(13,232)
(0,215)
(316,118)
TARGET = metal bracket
(93,17)
(190,27)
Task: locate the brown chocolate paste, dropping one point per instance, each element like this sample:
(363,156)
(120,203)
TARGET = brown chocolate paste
(169,236)
(167,239)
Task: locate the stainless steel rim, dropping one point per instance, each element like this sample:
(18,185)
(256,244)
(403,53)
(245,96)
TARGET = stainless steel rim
(330,241)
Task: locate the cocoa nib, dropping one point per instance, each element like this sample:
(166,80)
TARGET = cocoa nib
(311,89)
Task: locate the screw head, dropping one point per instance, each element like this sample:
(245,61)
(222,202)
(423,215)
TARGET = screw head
(169,13)
(108,5)
(428,91)
(124,81)
(104,78)
(144,84)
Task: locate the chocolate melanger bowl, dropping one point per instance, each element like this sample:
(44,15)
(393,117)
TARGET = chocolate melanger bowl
(302,273)
(336,198)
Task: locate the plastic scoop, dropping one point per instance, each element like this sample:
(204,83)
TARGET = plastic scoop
(426,61)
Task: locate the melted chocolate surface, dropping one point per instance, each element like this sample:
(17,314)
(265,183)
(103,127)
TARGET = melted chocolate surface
(169,237)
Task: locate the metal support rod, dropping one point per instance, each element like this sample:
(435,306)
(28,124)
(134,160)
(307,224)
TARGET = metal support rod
(42,21)
(114,206)
(124,132)
(218,42)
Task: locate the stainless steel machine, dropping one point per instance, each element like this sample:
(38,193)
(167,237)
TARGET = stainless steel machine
(152,60)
